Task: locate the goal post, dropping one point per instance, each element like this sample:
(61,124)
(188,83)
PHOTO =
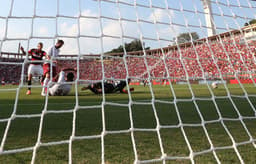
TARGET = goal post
(192,65)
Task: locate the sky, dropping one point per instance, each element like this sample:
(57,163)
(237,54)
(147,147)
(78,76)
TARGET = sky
(91,35)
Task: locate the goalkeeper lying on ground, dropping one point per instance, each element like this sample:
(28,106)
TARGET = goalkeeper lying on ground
(113,87)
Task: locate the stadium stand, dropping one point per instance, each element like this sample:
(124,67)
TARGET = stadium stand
(218,48)
(10,71)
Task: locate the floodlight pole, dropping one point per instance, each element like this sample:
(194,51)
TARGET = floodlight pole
(211,30)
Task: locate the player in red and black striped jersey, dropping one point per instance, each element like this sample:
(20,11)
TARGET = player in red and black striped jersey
(35,67)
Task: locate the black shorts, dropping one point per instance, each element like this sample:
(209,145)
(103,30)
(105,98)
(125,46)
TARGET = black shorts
(108,88)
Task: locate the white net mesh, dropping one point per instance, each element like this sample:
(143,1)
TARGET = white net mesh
(143,122)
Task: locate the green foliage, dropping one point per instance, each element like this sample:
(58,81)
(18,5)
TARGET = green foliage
(253,21)
(135,45)
(185,37)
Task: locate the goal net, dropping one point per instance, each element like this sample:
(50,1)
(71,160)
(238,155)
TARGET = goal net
(189,69)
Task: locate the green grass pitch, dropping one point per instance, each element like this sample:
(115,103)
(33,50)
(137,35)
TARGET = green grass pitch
(23,132)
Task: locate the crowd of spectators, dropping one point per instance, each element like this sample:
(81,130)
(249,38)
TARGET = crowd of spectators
(210,59)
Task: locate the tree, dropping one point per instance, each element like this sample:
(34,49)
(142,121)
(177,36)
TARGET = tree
(253,21)
(135,45)
(185,37)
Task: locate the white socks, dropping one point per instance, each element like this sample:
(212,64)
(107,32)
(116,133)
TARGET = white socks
(46,80)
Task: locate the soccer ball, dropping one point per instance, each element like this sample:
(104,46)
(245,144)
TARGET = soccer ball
(214,85)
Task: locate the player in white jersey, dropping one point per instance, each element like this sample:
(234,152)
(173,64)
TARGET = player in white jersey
(53,52)
(61,88)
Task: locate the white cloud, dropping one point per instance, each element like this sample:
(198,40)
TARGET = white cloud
(158,14)
(68,30)
(112,28)
(2,32)
(165,31)
(43,30)
(169,32)
(88,12)
(91,27)
(16,33)
(70,46)
(19,28)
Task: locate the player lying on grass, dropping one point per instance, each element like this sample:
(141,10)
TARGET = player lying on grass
(108,87)
(52,53)
(61,88)
(35,68)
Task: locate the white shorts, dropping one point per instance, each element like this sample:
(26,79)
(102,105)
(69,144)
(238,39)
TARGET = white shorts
(35,70)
